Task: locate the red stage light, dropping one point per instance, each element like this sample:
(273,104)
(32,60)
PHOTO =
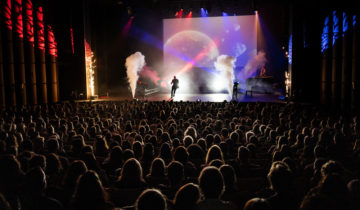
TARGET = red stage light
(127,27)
(18,19)
(40,28)
(72,40)
(180,13)
(7,15)
(189,15)
(52,45)
(29,22)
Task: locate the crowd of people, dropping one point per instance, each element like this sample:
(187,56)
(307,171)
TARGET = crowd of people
(178,155)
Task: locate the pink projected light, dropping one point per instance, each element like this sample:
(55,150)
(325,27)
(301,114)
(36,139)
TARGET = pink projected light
(147,72)
(52,45)
(40,28)
(179,14)
(19,20)
(7,14)
(29,23)
(127,27)
(189,15)
(199,56)
(72,40)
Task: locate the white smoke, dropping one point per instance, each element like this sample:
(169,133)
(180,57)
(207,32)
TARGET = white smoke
(134,63)
(253,65)
(225,65)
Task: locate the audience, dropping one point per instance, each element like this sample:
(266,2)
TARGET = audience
(178,155)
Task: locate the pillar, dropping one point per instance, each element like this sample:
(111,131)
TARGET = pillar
(2,84)
(30,51)
(40,55)
(355,69)
(336,61)
(52,65)
(19,53)
(9,70)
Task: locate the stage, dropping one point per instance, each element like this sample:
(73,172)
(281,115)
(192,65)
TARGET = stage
(211,97)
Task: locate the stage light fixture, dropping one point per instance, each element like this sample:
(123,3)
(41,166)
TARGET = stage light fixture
(189,14)
(203,12)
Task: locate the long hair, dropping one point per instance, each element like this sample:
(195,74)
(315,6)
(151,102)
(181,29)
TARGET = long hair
(214,153)
(131,171)
(89,193)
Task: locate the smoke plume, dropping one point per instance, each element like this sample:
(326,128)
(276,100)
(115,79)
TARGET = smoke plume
(253,65)
(134,63)
(225,65)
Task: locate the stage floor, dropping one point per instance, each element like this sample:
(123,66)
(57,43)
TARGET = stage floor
(215,97)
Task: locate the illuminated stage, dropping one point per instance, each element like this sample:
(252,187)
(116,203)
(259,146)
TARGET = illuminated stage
(218,97)
(215,97)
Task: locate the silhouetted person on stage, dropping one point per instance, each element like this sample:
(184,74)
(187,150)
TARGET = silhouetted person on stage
(235,90)
(263,72)
(175,85)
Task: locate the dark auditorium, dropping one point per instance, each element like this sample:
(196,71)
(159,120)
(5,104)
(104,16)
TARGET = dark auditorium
(179,105)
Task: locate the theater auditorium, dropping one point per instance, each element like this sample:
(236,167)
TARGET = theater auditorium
(179,105)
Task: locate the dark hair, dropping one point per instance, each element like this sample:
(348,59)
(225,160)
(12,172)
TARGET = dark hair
(211,182)
(188,140)
(229,175)
(187,196)
(35,181)
(257,204)
(243,154)
(101,146)
(157,168)
(89,193)
(151,199)
(76,169)
(181,154)
(137,149)
(165,152)
(216,163)
(280,177)
(128,153)
(331,167)
(175,172)
(195,152)
(214,153)
(131,170)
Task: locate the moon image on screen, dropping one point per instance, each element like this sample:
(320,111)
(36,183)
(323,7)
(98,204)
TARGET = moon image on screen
(190,46)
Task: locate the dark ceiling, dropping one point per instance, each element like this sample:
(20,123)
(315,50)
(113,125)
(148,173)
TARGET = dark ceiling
(168,7)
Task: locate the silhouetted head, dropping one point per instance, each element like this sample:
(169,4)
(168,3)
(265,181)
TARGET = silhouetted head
(157,168)
(211,182)
(89,193)
(214,153)
(181,155)
(187,196)
(76,169)
(35,181)
(257,204)
(229,175)
(175,172)
(131,170)
(151,199)
(280,177)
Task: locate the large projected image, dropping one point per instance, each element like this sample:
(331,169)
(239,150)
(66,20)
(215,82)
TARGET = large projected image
(193,45)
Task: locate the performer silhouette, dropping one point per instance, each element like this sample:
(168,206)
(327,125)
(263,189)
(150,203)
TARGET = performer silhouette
(175,85)
(263,72)
(235,90)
